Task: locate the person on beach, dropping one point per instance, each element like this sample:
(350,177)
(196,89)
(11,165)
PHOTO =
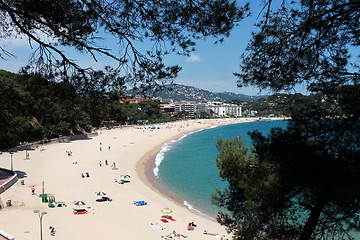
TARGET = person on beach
(219,217)
(191,226)
(113,165)
(100,164)
(33,190)
(52,231)
(210,233)
(106,162)
(109,148)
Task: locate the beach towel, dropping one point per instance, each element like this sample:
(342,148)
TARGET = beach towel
(164,220)
(155,227)
(210,233)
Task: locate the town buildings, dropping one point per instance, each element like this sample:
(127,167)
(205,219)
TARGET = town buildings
(213,109)
(191,109)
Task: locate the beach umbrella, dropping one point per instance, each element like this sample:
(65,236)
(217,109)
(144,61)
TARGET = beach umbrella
(79,203)
(166,210)
(125,178)
(100,193)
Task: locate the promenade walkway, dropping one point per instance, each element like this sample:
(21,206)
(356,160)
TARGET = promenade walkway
(5,176)
(7,179)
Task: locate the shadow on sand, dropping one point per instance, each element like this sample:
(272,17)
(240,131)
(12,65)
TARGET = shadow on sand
(21,174)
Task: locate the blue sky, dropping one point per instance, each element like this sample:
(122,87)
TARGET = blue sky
(210,67)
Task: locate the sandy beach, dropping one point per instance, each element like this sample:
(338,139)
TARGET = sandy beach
(132,150)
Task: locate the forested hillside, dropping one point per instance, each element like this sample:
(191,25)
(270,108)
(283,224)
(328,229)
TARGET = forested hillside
(34,108)
(179,92)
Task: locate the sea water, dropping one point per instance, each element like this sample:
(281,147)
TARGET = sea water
(187,166)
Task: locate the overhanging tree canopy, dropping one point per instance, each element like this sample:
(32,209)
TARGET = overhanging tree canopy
(313,43)
(171,27)
(301,182)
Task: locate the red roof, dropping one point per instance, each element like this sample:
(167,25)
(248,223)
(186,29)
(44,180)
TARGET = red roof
(135,100)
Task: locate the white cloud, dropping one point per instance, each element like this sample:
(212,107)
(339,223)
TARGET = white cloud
(194,58)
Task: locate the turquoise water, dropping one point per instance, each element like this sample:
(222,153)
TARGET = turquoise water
(188,168)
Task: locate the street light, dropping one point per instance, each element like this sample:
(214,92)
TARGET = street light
(11,161)
(41,214)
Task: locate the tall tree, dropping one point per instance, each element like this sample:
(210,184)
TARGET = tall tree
(292,185)
(54,27)
(307,44)
(301,182)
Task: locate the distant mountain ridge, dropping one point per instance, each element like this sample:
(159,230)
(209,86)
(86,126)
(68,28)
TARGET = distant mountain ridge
(179,92)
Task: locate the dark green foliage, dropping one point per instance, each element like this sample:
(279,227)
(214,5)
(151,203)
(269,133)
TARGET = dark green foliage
(307,44)
(291,177)
(286,104)
(34,108)
(54,27)
(275,104)
(304,181)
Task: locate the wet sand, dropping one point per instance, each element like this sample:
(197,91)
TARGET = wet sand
(133,151)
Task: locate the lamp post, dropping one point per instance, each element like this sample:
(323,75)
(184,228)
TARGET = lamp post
(11,161)
(41,214)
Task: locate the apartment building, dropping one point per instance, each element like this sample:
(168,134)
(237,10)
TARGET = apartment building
(216,109)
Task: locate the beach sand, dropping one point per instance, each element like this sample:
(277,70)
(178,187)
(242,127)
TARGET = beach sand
(133,151)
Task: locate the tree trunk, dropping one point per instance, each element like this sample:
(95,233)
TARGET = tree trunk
(312,221)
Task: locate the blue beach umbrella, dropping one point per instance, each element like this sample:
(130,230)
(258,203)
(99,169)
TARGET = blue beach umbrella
(79,203)
(125,178)
(100,193)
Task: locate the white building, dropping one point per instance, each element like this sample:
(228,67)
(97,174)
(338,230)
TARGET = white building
(217,108)
(185,107)
(226,110)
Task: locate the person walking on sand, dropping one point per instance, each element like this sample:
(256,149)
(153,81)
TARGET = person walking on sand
(33,190)
(106,162)
(113,165)
(100,164)
(52,231)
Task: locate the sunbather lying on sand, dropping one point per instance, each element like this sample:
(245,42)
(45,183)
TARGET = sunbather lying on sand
(210,233)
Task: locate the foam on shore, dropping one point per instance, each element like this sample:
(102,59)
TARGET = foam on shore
(167,146)
(119,219)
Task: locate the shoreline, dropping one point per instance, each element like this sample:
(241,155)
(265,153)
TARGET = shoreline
(133,151)
(147,164)
(145,170)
